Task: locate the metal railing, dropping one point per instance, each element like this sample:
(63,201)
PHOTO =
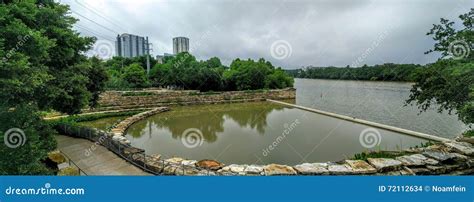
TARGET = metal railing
(72,163)
(133,155)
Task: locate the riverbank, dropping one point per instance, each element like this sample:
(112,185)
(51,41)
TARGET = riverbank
(149,98)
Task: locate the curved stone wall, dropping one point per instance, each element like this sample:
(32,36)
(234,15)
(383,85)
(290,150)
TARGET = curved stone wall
(454,157)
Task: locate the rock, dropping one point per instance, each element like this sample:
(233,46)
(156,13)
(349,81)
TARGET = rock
(420,171)
(170,169)
(461,147)
(340,169)
(238,169)
(209,164)
(312,168)
(174,161)
(276,169)
(154,165)
(254,170)
(185,170)
(439,156)
(385,164)
(191,163)
(132,150)
(416,160)
(361,167)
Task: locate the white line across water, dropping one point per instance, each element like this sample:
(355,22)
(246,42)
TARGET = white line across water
(369,123)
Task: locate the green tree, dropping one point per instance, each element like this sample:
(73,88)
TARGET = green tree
(135,75)
(448,83)
(42,68)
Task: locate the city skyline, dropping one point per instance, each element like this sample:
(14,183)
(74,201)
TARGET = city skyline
(316,33)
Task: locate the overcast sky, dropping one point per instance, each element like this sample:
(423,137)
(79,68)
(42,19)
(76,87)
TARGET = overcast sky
(290,34)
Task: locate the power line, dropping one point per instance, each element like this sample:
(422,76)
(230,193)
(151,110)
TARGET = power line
(92,9)
(115,32)
(94,33)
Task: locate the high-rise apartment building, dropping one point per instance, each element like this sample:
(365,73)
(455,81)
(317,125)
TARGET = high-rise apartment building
(129,45)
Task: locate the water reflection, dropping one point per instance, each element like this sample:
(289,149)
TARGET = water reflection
(208,119)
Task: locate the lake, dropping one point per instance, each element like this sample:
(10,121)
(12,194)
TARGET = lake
(256,133)
(381,102)
(263,132)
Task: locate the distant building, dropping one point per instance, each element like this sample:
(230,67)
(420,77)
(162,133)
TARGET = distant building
(129,45)
(180,44)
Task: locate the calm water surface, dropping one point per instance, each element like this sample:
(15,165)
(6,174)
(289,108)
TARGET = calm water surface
(381,102)
(259,133)
(262,133)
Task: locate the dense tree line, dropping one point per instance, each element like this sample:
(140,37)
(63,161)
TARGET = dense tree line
(384,72)
(183,71)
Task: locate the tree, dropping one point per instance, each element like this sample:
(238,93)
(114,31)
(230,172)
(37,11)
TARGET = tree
(448,83)
(43,68)
(135,75)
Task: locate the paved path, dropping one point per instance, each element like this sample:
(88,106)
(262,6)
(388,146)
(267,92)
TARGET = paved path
(101,161)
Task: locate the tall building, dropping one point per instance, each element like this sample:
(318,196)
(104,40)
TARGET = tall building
(180,44)
(129,45)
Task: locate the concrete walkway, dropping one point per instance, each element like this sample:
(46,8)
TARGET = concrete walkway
(100,160)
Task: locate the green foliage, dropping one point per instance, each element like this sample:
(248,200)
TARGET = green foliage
(449,83)
(72,120)
(38,141)
(135,75)
(183,71)
(42,68)
(378,154)
(469,133)
(384,72)
(133,93)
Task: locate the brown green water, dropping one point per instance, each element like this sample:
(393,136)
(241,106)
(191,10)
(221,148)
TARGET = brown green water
(257,133)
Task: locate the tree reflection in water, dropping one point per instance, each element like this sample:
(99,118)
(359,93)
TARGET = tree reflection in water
(209,119)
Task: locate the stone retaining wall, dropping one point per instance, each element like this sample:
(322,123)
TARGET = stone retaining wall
(111,100)
(454,157)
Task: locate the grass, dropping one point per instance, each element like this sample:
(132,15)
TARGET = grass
(387,154)
(204,93)
(93,117)
(69,171)
(378,154)
(137,94)
(469,133)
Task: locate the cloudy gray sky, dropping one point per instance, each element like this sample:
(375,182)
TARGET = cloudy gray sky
(289,33)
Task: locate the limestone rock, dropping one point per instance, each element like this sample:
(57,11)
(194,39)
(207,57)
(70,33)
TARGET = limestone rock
(209,164)
(416,160)
(312,168)
(385,164)
(276,169)
(340,169)
(361,167)
(439,156)
(175,161)
(461,147)
(254,170)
